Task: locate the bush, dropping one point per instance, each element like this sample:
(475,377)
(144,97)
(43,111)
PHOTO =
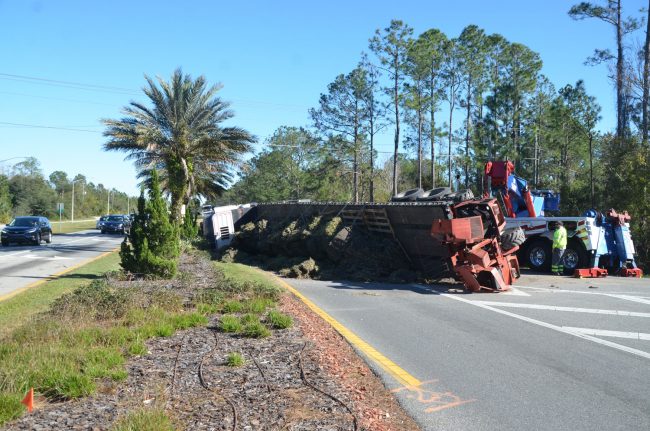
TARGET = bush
(96,300)
(234,359)
(279,320)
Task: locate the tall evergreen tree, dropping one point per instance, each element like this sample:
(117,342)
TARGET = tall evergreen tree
(152,247)
(342,111)
(611,13)
(391,47)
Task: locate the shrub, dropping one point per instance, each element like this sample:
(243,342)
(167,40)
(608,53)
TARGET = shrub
(279,320)
(234,359)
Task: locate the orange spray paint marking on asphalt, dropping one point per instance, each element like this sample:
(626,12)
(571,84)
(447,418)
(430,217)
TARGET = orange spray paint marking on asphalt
(436,400)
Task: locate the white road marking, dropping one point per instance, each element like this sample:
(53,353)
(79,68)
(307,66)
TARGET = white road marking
(569,309)
(514,292)
(546,289)
(607,333)
(55,257)
(617,346)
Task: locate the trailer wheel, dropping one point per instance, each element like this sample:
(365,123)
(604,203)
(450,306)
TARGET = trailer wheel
(512,238)
(575,256)
(538,255)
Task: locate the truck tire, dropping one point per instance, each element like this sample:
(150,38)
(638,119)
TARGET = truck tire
(575,256)
(460,196)
(538,254)
(434,194)
(511,238)
(407,196)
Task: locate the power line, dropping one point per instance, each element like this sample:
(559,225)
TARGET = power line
(37,126)
(116,90)
(57,82)
(56,98)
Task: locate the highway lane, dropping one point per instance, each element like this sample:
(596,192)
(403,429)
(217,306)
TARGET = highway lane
(22,265)
(556,354)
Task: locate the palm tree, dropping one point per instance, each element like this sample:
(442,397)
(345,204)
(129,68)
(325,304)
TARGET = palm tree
(181,138)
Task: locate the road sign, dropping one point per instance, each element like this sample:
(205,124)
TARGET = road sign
(59,206)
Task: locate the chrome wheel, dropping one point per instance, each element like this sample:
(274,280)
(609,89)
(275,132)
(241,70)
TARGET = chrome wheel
(570,259)
(537,256)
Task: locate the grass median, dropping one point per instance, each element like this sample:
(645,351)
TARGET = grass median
(70,227)
(18,309)
(67,335)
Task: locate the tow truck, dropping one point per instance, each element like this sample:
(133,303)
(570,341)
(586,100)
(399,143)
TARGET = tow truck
(596,240)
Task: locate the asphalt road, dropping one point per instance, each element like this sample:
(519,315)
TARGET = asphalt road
(22,265)
(556,354)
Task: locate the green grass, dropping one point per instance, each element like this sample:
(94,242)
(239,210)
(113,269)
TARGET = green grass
(10,407)
(14,311)
(231,324)
(257,305)
(60,339)
(279,320)
(255,330)
(234,359)
(144,420)
(232,307)
(70,227)
(243,273)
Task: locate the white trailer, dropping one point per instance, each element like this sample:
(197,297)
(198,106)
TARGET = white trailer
(219,223)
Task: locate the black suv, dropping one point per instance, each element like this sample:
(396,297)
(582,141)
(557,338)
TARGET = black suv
(30,229)
(116,224)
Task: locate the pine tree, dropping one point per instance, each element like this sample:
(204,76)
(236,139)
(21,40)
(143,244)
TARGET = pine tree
(152,247)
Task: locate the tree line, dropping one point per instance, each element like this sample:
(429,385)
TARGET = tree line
(24,190)
(452,103)
(496,102)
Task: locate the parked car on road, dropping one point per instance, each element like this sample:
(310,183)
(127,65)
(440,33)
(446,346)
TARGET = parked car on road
(116,224)
(101,222)
(27,229)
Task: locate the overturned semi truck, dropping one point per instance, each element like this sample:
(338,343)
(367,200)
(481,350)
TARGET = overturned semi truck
(482,257)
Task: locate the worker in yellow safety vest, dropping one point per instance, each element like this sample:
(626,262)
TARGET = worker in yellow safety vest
(559,246)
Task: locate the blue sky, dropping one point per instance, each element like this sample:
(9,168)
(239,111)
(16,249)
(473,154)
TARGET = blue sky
(274,58)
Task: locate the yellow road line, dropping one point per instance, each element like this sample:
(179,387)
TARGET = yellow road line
(54,276)
(386,364)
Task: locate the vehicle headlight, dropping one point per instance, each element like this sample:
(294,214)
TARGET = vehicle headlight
(120,225)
